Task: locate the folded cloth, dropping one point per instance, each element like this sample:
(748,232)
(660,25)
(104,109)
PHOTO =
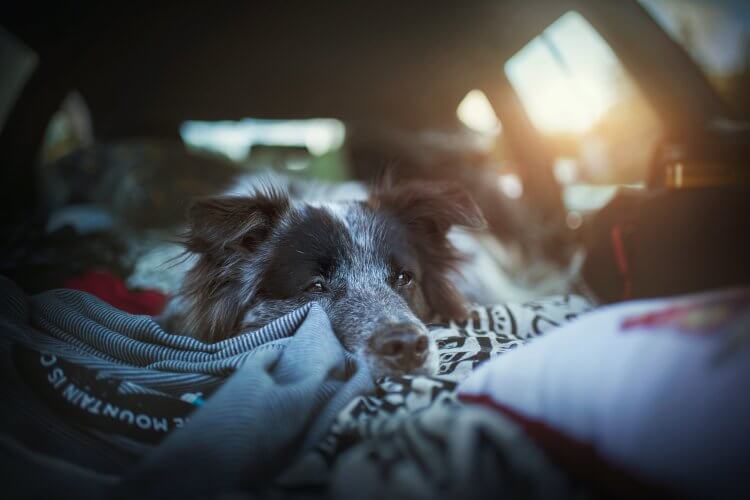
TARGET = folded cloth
(95,398)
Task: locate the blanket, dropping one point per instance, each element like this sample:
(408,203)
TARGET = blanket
(102,403)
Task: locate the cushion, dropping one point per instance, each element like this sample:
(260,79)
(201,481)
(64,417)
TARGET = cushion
(648,394)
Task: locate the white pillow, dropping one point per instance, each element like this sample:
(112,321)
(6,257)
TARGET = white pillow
(652,392)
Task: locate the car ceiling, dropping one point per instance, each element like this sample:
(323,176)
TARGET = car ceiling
(404,63)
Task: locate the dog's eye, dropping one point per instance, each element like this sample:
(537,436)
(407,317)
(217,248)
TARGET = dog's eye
(316,286)
(403,278)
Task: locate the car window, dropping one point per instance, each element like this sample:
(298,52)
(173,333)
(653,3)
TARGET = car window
(716,34)
(308,148)
(579,96)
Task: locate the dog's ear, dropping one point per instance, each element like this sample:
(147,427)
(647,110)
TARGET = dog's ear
(219,223)
(432,208)
(429,211)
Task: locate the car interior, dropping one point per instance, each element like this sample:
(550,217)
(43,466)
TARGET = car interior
(606,144)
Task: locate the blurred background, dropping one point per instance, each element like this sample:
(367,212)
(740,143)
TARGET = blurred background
(603,139)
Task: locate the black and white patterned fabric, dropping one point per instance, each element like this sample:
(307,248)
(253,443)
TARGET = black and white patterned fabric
(413,439)
(449,451)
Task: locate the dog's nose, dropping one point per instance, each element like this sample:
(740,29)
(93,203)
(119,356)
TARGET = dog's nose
(402,346)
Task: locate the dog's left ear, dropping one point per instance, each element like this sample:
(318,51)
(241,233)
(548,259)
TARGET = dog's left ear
(430,207)
(429,211)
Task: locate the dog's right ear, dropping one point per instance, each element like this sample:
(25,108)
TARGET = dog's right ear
(220,223)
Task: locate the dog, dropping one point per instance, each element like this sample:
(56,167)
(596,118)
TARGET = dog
(379,262)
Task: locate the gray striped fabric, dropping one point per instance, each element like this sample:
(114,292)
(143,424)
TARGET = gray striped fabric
(274,393)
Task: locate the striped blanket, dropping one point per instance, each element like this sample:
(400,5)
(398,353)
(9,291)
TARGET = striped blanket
(91,395)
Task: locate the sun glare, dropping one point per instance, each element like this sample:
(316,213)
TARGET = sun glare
(566,76)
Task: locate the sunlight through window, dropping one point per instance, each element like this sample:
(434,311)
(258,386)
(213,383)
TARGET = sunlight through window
(566,76)
(235,139)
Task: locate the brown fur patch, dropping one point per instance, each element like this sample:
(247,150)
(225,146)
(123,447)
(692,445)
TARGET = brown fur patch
(224,231)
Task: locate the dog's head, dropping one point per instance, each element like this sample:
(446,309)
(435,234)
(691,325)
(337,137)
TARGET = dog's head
(378,267)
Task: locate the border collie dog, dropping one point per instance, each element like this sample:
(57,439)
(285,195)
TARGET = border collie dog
(380,266)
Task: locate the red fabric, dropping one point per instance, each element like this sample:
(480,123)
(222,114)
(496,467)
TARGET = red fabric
(112,290)
(579,458)
(703,317)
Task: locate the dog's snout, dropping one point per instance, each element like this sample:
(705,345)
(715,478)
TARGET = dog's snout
(403,346)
